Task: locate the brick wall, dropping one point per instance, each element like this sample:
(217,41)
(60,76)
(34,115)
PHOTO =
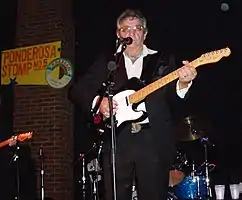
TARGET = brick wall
(41,109)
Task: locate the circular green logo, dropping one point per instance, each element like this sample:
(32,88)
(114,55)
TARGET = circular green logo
(64,76)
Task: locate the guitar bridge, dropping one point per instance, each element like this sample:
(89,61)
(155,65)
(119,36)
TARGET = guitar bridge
(127,101)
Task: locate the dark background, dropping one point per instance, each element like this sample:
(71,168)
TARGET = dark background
(187,28)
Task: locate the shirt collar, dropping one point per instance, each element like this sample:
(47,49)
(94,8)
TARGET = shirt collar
(146,51)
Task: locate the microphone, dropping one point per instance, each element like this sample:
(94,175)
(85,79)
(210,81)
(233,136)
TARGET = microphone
(126,41)
(111,65)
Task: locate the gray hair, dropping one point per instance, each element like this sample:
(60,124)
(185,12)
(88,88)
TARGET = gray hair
(134,14)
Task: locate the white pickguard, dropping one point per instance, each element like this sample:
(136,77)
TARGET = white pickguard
(125,112)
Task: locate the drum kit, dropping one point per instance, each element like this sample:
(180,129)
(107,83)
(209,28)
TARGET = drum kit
(187,179)
(91,173)
(190,180)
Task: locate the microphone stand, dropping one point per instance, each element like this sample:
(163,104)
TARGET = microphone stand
(41,173)
(113,134)
(108,92)
(205,143)
(112,119)
(15,159)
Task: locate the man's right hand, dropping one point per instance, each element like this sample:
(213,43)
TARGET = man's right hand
(104,107)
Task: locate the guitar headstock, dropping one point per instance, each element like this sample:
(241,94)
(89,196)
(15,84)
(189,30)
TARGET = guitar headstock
(214,56)
(24,136)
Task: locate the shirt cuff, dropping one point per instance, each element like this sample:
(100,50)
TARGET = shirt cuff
(182,92)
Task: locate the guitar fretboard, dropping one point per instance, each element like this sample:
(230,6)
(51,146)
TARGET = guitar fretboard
(20,137)
(6,142)
(210,57)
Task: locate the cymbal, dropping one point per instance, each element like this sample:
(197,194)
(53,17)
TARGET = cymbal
(190,128)
(189,120)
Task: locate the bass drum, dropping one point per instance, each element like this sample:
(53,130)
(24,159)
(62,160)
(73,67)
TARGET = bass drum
(192,187)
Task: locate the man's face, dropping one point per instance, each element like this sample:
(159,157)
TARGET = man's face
(132,27)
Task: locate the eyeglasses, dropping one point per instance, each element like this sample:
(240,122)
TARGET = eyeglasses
(127,29)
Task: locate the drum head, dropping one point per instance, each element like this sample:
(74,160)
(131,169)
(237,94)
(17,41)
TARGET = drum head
(175,177)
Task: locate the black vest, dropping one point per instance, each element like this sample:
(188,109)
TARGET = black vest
(154,67)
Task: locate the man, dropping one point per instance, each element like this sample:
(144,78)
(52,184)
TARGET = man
(144,153)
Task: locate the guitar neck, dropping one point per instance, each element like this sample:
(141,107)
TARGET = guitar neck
(4,143)
(147,90)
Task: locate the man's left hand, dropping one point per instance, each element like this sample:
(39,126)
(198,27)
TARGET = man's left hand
(13,141)
(186,74)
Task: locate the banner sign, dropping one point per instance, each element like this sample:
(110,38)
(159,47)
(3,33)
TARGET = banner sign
(27,65)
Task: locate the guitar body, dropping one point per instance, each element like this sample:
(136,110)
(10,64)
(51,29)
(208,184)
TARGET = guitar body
(128,112)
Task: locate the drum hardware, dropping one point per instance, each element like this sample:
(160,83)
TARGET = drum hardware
(83,179)
(95,177)
(195,170)
(206,142)
(93,170)
(171,196)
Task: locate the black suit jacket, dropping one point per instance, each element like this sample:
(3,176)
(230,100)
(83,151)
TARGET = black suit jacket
(159,104)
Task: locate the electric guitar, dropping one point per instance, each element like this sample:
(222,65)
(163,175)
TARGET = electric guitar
(129,99)
(20,137)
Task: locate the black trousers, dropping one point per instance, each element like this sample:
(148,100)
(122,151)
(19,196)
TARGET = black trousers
(137,157)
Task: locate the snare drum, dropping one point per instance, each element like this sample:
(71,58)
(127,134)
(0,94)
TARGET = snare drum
(192,187)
